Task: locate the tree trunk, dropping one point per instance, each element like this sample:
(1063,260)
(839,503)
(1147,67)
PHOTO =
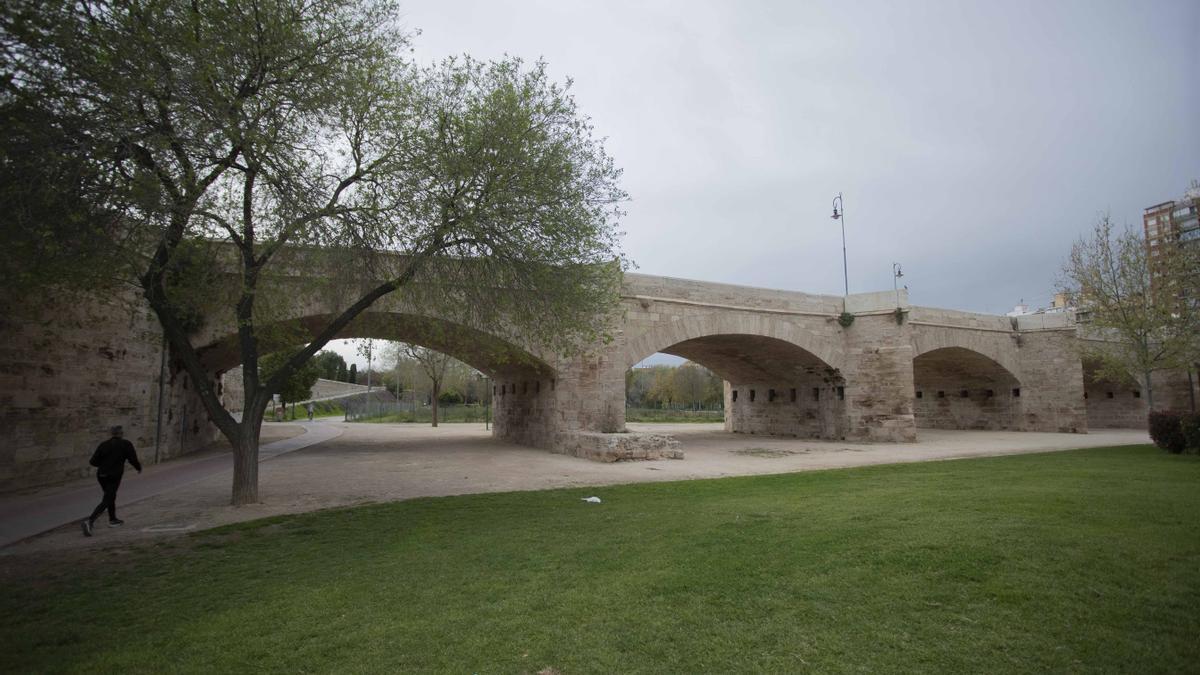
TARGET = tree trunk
(1149,393)
(1191,392)
(245,455)
(436,393)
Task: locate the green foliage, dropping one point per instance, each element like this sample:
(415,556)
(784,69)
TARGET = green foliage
(687,385)
(845,319)
(331,365)
(270,138)
(1189,425)
(352,377)
(1166,430)
(298,386)
(1081,561)
(1141,313)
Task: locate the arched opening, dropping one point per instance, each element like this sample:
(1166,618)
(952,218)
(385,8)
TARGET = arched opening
(1112,402)
(519,380)
(956,388)
(771,386)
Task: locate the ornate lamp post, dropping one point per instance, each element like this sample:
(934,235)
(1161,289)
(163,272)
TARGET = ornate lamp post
(839,213)
(896,274)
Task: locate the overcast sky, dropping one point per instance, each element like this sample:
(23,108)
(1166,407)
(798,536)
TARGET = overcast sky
(973,142)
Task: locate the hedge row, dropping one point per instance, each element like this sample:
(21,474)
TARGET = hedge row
(1175,432)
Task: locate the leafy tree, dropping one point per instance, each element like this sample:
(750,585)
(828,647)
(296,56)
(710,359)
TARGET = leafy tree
(694,384)
(329,364)
(1142,313)
(662,388)
(353,377)
(434,364)
(342,374)
(298,386)
(206,150)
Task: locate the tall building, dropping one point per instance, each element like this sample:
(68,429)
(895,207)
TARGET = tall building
(1173,223)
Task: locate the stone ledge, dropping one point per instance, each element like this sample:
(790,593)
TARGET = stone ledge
(617,447)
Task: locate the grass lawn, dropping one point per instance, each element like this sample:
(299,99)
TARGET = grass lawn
(1086,560)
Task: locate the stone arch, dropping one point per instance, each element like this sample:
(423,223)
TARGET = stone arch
(492,355)
(682,330)
(998,347)
(779,379)
(960,388)
(522,382)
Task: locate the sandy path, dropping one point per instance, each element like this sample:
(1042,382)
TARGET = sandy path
(377,462)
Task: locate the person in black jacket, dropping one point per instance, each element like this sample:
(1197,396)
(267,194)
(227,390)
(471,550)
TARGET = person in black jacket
(109,460)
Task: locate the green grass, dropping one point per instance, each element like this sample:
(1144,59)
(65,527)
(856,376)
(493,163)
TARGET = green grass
(298,412)
(1077,561)
(673,416)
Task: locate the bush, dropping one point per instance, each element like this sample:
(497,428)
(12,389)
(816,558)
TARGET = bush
(1189,425)
(450,398)
(1166,431)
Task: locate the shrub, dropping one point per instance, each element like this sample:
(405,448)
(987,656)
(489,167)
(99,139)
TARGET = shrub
(1166,431)
(1189,425)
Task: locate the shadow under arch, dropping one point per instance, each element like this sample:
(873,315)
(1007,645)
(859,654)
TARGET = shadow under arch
(739,358)
(1112,403)
(958,388)
(711,329)
(496,357)
(772,386)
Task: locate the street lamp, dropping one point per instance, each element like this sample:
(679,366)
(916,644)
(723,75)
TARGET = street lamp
(896,274)
(839,213)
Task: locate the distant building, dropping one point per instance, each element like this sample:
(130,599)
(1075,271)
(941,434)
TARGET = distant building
(1173,223)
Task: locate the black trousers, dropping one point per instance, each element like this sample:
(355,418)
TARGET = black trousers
(109,484)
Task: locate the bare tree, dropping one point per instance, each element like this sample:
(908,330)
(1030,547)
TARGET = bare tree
(1141,311)
(434,364)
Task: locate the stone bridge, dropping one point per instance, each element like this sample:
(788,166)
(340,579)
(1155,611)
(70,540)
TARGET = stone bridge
(790,368)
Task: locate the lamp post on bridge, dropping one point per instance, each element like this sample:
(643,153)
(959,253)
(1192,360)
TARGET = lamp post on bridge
(839,214)
(896,274)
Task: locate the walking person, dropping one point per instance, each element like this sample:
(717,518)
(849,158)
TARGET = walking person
(109,460)
(309,408)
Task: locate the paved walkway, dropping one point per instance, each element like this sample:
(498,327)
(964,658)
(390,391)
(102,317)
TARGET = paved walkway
(28,515)
(389,462)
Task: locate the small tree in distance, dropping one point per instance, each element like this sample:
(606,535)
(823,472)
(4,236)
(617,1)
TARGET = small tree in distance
(433,363)
(298,387)
(330,364)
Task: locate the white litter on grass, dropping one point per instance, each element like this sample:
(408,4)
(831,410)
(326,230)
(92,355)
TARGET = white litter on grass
(591,500)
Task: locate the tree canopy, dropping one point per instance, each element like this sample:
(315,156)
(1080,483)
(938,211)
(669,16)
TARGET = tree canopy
(202,151)
(1141,313)
(298,386)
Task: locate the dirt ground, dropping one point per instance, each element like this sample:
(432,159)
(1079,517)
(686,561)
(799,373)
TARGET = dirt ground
(387,462)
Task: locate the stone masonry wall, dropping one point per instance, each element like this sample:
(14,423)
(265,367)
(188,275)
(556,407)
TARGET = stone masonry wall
(807,408)
(1051,376)
(69,371)
(879,379)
